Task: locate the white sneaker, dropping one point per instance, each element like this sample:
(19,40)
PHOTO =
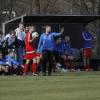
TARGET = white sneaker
(78,70)
(64,70)
(73,70)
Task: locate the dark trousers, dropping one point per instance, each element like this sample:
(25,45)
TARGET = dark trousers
(47,61)
(59,59)
(20,53)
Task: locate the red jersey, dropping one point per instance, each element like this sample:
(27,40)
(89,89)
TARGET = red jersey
(29,46)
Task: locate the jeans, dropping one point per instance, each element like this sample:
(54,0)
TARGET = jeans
(20,54)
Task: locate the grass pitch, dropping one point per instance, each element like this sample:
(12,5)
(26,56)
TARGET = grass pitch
(60,86)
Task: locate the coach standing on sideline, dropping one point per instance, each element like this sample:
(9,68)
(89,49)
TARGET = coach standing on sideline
(46,45)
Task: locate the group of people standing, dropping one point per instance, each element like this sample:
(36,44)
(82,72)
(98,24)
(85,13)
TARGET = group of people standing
(52,50)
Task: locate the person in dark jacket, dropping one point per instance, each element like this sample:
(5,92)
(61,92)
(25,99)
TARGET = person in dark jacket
(2,48)
(11,40)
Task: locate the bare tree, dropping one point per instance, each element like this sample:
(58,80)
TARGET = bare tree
(43,6)
(37,6)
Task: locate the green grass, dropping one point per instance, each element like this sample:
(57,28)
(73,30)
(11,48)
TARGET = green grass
(67,86)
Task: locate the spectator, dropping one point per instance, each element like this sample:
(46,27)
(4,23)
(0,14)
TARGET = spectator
(68,57)
(11,61)
(1,42)
(87,48)
(3,66)
(26,29)
(59,53)
(11,40)
(21,41)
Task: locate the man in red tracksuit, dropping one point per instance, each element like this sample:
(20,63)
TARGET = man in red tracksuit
(30,51)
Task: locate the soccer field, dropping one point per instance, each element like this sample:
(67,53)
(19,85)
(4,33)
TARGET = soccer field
(63,86)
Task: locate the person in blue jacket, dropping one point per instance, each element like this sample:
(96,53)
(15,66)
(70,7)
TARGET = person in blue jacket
(59,52)
(14,65)
(87,48)
(3,66)
(46,47)
(59,47)
(67,45)
(68,54)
